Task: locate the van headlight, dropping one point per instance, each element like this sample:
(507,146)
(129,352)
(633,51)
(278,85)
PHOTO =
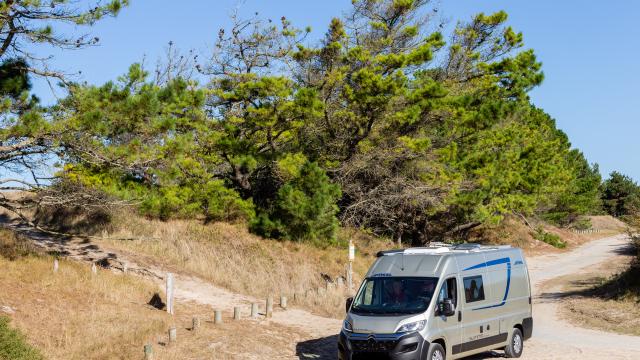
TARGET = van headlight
(411,327)
(347,326)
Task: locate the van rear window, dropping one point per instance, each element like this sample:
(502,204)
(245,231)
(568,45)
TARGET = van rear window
(473,289)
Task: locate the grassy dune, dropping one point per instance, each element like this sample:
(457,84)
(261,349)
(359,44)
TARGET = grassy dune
(229,256)
(73,314)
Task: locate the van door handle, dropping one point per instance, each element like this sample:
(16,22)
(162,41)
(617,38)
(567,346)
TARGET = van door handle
(459,316)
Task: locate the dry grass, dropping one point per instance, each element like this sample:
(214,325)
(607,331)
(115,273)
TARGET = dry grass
(14,246)
(230,257)
(607,222)
(608,315)
(602,299)
(74,314)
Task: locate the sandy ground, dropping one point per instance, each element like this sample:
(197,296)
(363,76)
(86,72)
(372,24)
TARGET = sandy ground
(553,337)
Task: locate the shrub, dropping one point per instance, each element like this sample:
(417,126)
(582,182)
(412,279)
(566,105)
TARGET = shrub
(635,241)
(211,199)
(14,246)
(549,238)
(13,345)
(582,224)
(304,208)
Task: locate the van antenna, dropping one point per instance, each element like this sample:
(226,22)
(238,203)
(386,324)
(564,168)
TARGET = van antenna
(402,267)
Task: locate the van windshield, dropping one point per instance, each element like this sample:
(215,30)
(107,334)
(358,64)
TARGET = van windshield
(394,295)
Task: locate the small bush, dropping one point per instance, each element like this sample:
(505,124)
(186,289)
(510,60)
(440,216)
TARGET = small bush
(635,241)
(14,246)
(211,199)
(582,224)
(549,238)
(304,208)
(13,345)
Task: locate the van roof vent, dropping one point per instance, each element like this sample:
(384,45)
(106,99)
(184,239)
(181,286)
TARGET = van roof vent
(426,250)
(467,246)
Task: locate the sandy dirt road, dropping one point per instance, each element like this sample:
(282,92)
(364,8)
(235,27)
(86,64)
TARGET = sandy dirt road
(553,338)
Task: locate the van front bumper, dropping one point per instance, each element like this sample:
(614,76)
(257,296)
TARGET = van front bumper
(408,346)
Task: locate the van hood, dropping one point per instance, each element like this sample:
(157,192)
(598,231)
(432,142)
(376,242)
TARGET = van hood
(372,324)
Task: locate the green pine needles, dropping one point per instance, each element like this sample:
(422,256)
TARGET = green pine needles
(394,128)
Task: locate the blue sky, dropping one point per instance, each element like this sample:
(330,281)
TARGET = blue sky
(589,52)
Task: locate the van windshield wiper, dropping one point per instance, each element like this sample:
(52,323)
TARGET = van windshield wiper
(357,309)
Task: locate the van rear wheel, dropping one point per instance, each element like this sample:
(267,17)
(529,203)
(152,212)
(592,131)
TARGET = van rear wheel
(436,352)
(514,349)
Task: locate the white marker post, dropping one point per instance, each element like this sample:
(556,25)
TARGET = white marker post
(352,256)
(170,293)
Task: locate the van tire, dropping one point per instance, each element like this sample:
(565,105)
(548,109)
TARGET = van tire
(516,344)
(434,350)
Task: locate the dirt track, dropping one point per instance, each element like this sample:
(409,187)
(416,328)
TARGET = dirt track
(553,337)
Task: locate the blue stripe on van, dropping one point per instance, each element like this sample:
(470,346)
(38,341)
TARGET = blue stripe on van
(506,291)
(492,263)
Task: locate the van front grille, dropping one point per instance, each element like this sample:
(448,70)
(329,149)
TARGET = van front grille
(373,346)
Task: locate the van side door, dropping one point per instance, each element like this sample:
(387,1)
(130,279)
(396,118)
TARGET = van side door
(449,326)
(474,297)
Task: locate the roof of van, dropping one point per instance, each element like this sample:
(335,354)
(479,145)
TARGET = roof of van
(433,260)
(439,248)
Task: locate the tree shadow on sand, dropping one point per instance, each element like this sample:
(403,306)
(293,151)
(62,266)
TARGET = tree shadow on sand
(326,348)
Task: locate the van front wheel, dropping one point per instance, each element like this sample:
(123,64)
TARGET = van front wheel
(514,349)
(436,352)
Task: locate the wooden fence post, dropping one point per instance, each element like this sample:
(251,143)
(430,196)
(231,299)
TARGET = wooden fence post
(269,311)
(55,265)
(195,324)
(254,310)
(173,335)
(148,352)
(283,302)
(217,318)
(94,269)
(170,309)
(236,313)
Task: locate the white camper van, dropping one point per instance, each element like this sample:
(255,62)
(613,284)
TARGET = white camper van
(440,302)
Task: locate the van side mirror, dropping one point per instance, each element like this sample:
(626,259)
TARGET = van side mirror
(446,307)
(348,304)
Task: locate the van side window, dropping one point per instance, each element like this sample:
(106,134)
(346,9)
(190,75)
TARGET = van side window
(473,289)
(449,291)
